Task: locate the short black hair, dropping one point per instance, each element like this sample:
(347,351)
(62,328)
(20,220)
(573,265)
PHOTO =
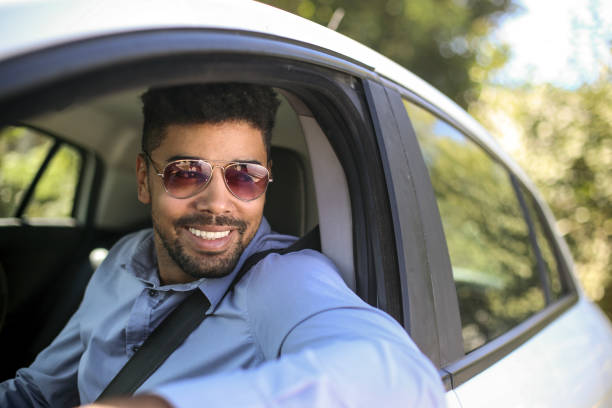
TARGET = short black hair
(207,103)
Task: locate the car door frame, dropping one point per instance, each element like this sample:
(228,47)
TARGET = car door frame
(428,291)
(456,366)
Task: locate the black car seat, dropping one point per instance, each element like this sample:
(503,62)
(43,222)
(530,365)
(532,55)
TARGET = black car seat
(286,196)
(3,296)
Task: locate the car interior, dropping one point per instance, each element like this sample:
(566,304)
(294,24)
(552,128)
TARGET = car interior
(45,263)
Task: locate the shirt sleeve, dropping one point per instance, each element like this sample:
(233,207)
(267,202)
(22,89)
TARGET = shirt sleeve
(324,347)
(51,380)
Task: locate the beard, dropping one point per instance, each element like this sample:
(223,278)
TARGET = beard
(203,265)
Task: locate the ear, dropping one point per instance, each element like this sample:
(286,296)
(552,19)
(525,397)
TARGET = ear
(144,194)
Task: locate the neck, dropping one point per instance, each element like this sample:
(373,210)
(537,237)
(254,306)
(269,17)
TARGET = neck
(169,272)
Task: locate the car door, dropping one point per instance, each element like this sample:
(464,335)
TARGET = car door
(511,323)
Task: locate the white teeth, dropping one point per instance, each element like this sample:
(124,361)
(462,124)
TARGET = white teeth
(208,234)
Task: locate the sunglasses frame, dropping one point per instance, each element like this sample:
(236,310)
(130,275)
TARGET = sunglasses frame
(212,164)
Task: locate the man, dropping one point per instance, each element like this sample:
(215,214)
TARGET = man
(290,333)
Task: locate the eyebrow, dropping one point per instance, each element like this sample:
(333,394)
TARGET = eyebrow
(187,157)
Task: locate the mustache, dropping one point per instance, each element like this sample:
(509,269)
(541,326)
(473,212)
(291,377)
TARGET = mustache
(208,219)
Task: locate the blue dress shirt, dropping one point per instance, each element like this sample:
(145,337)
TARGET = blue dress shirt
(290,334)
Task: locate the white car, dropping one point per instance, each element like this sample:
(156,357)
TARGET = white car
(422,212)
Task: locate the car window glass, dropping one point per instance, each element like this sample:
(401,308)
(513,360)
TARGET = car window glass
(54,193)
(22,152)
(495,267)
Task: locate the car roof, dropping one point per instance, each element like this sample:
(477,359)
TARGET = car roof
(30,25)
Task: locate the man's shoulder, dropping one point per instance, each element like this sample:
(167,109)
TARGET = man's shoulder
(133,246)
(131,243)
(111,278)
(303,258)
(303,261)
(306,272)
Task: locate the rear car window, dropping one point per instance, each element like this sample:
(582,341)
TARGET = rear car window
(39,174)
(501,274)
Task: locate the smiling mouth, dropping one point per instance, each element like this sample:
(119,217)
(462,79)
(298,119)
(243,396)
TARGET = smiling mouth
(209,235)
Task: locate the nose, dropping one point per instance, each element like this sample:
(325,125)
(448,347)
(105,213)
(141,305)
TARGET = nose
(215,198)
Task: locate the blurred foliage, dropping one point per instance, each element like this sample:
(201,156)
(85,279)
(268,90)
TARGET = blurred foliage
(443,41)
(54,193)
(563,139)
(22,152)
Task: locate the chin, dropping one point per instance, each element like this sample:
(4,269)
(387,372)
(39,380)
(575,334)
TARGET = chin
(205,266)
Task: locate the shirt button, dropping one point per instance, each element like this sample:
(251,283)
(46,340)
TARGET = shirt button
(152,292)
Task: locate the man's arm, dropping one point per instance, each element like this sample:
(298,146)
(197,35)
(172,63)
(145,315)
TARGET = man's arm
(342,367)
(324,346)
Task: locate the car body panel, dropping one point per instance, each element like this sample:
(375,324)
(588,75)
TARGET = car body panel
(555,368)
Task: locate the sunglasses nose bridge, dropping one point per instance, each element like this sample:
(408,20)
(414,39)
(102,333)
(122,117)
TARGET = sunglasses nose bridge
(221,167)
(213,166)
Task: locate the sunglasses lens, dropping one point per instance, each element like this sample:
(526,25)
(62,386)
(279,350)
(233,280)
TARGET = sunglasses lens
(246,181)
(185,178)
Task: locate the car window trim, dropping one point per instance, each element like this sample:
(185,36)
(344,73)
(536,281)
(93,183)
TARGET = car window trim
(540,264)
(372,228)
(393,284)
(29,192)
(490,353)
(429,295)
(556,245)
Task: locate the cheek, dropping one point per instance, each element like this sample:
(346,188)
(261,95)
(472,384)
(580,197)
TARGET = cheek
(165,209)
(252,214)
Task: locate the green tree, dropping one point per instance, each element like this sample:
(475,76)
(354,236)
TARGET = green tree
(442,41)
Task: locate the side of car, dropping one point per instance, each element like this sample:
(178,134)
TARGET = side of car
(524,323)
(424,216)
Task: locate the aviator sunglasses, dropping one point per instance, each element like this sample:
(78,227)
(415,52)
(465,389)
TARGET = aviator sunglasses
(185,178)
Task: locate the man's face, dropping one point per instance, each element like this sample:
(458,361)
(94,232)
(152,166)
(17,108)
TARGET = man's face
(203,235)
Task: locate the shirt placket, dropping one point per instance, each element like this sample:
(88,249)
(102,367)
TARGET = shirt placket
(142,314)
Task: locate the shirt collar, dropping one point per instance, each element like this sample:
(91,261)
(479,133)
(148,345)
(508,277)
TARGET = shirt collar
(143,264)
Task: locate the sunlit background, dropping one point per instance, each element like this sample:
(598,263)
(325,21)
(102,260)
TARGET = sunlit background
(536,73)
(562,42)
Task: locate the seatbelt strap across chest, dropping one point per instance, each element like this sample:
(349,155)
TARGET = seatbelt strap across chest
(179,324)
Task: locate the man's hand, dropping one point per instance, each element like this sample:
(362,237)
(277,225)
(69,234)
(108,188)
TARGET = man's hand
(139,401)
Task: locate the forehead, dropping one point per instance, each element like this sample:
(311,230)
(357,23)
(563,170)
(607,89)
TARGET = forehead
(230,140)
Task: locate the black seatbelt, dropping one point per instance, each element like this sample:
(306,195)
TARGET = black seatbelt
(175,328)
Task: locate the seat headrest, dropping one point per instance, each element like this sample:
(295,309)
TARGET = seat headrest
(285,207)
